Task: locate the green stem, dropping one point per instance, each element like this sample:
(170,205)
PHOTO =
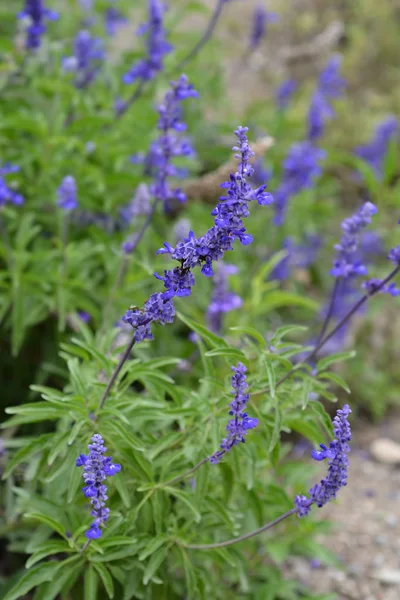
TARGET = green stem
(241,538)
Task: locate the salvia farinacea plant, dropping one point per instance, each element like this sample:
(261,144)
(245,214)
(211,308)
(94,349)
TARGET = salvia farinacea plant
(177,350)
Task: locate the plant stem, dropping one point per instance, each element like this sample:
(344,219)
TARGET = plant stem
(179,477)
(132,98)
(243,537)
(63,270)
(124,262)
(116,371)
(330,310)
(206,35)
(346,318)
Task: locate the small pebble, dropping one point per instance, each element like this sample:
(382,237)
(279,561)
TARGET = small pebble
(385,451)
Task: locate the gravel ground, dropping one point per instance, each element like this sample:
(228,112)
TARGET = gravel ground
(366,527)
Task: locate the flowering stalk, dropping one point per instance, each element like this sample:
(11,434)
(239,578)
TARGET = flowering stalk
(202,251)
(157,48)
(96,468)
(321,493)
(36,14)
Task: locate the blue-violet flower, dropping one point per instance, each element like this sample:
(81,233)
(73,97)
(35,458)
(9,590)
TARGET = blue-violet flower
(337,452)
(87,58)
(36,13)
(67,195)
(157,45)
(96,468)
(7,194)
(237,427)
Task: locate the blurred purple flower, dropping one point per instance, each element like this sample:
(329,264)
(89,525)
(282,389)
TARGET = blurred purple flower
(36,13)
(284,93)
(375,152)
(7,194)
(86,60)
(222,300)
(260,20)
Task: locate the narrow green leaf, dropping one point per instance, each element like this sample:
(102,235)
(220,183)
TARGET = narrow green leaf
(35,445)
(106,579)
(203,332)
(47,549)
(153,546)
(251,332)
(324,363)
(336,379)
(33,578)
(154,563)
(186,499)
(233,354)
(90,583)
(49,521)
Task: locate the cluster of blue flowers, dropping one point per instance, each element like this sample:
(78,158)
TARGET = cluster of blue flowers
(86,60)
(113,20)
(302,164)
(67,194)
(203,251)
(347,263)
(96,468)
(300,168)
(7,194)
(241,423)
(330,86)
(222,300)
(36,14)
(157,45)
(374,152)
(337,452)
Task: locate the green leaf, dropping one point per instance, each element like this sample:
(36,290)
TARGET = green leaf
(266,363)
(323,416)
(124,434)
(336,379)
(154,563)
(203,332)
(124,552)
(251,332)
(68,574)
(324,363)
(33,412)
(34,446)
(285,330)
(153,546)
(279,299)
(305,392)
(33,578)
(106,579)
(123,491)
(49,521)
(186,499)
(90,583)
(46,549)
(232,354)
(276,430)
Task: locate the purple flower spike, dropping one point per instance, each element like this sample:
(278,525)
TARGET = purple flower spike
(330,85)
(157,45)
(261,18)
(202,252)
(67,198)
(222,300)
(347,263)
(337,452)
(7,194)
(88,55)
(237,427)
(284,93)
(374,152)
(394,255)
(36,14)
(96,468)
